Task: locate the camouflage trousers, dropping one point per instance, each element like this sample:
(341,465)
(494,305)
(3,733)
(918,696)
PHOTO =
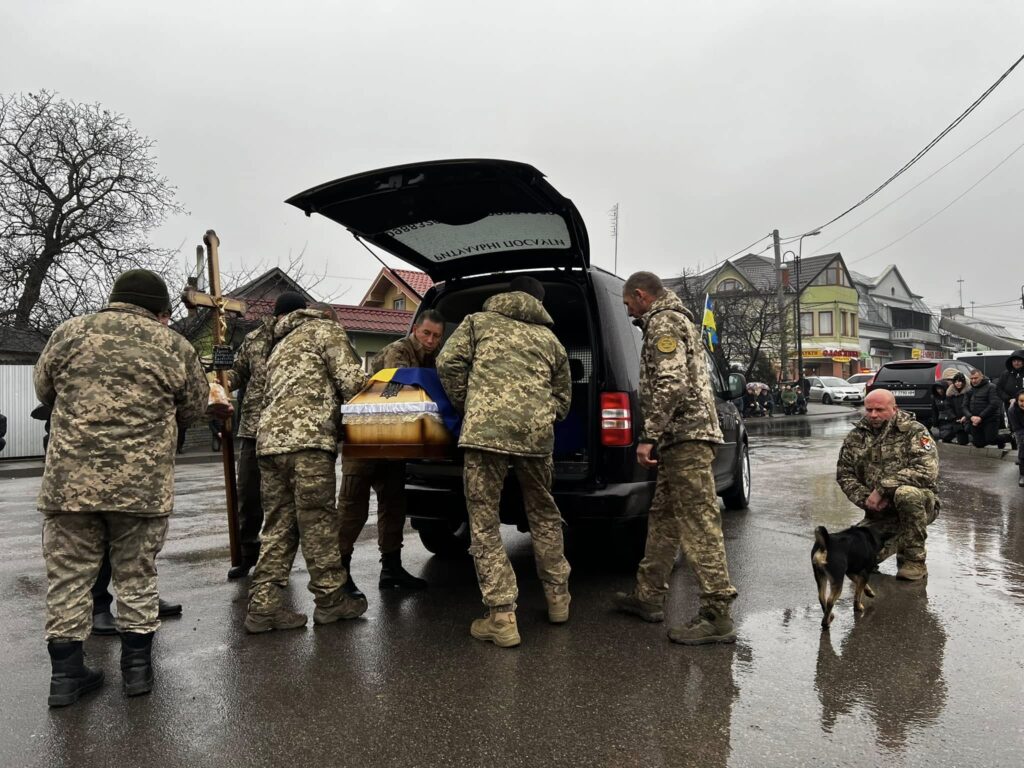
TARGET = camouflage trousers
(685,513)
(903,526)
(387,478)
(73,547)
(484,477)
(298,501)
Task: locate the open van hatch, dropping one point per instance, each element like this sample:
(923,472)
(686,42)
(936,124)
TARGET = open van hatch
(454,218)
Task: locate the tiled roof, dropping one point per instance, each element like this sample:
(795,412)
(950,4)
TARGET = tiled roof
(418,281)
(373,319)
(366,319)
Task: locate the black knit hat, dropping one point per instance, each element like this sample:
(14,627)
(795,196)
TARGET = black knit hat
(143,289)
(287,302)
(527,284)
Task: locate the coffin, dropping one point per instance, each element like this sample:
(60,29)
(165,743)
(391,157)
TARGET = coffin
(388,420)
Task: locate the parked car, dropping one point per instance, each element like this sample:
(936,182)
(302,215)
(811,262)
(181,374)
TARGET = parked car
(832,389)
(468,224)
(911,382)
(861,381)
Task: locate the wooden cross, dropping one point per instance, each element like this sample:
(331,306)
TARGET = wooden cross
(221,306)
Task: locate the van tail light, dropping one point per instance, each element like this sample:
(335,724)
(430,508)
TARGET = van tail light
(616,419)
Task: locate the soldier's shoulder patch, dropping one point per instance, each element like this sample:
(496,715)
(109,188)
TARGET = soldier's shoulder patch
(927,443)
(666,344)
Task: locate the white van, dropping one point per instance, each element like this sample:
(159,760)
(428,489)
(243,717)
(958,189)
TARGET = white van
(992,363)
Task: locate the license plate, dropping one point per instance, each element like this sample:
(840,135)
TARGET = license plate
(903,392)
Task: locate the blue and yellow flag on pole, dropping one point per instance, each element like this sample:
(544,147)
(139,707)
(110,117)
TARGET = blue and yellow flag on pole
(707,326)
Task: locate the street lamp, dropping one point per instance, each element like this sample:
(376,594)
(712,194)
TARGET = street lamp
(799,330)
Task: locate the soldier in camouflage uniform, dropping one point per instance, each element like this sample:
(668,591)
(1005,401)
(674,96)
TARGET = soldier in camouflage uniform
(888,466)
(118,382)
(509,374)
(387,478)
(681,422)
(311,370)
(250,373)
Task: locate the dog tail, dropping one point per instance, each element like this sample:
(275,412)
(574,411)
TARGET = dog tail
(821,537)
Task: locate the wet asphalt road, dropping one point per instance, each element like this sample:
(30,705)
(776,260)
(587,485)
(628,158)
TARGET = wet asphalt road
(933,674)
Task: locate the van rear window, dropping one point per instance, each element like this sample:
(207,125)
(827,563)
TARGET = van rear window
(908,374)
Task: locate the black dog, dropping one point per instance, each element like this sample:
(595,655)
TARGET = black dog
(852,552)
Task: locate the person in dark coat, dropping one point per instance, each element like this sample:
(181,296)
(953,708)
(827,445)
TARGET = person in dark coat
(984,412)
(1015,415)
(1011,382)
(954,421)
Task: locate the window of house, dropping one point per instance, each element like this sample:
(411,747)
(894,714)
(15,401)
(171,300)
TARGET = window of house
(824,323)
(729,285)
(853,324)
(398,303)
(807,323)
(834,274)
(842,320)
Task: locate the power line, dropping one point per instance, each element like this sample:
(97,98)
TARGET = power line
(942,134)
(925,179)
(941,210)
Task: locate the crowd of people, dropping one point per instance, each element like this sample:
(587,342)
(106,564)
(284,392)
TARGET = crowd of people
(973,411)
(788,398)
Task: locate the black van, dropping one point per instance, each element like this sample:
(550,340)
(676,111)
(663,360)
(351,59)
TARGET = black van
(912,381)
(468,224)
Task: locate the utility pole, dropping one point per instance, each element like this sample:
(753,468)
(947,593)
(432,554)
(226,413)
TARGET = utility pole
(614,214)
(783,358)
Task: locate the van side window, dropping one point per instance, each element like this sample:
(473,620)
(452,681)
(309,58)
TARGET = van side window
(717,383)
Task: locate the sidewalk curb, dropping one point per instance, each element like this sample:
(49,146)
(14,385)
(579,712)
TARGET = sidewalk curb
(34,468)
(988,452)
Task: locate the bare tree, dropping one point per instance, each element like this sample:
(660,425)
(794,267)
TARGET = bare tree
(79,194)
(746,323)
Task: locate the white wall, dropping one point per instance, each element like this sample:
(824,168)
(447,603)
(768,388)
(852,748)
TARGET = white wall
(17,399)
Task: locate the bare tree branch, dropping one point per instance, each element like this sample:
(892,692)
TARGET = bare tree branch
(79,195)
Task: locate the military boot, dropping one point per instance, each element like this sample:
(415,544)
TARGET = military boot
(558,603)
(350,586)
(69,677)
(340,606)
(498,627)
(137,662)
(912,570)
(103,623)
(282,618)
(712,624)
(394,576)
(630,603)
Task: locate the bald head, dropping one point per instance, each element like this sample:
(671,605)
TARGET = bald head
(879,407)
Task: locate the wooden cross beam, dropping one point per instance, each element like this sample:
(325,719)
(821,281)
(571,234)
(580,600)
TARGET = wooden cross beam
(222,306)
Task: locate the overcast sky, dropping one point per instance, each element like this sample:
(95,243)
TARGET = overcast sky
(710,123)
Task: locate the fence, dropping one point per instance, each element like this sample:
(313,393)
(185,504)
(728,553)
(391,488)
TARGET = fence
(17,399)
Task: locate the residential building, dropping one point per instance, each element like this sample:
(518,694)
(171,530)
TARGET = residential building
(820,285)
(972,334)
(895,324)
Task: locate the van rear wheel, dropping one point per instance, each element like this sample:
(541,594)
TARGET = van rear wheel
(443,537)
(738,495)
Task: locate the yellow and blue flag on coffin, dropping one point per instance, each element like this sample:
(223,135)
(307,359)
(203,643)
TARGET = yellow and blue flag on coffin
(427,380)
(707,326)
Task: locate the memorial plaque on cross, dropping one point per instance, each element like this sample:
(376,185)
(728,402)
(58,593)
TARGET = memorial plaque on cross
(221,307)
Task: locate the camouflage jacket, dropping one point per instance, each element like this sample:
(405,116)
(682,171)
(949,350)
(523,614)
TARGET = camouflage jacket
(404,353)
(676,399)
(118,381)
(250,372)
(902,452)
(506,371)
(311,371)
